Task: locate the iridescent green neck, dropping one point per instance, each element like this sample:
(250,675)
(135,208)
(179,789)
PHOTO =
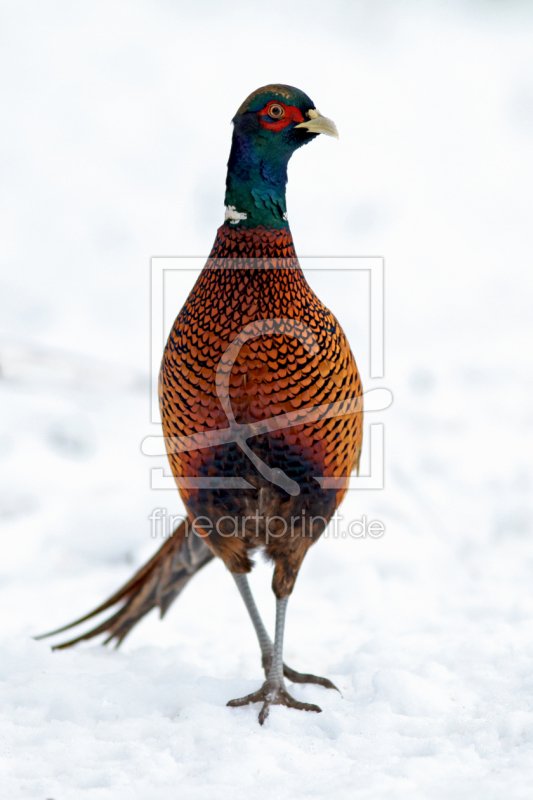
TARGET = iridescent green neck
(256,181)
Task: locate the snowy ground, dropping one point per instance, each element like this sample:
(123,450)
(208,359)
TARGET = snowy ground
(114,150)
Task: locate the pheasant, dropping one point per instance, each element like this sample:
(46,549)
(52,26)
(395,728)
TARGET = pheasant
(251,371)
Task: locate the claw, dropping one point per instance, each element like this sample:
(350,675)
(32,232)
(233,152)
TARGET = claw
(272,695)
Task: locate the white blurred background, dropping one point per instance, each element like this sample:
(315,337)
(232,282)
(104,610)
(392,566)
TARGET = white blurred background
(115,136)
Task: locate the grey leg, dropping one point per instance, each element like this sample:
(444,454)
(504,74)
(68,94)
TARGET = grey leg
(273,691)
(275,675)
(265,642)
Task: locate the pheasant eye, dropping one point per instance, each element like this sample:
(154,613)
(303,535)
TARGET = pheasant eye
(276,111)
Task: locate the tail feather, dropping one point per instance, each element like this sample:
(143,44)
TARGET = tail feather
(157,583)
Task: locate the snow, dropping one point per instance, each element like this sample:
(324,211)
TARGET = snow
(114,151)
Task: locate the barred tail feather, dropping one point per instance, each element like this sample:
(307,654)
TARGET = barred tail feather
(157,583)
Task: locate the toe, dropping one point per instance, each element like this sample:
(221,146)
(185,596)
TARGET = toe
(263,714)
(301,677)
(286,699)
(255,697)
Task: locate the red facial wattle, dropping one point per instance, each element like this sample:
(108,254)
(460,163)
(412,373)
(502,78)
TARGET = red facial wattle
(292,114)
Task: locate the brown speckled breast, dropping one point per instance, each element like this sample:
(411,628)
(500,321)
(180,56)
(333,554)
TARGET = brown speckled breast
(272,375)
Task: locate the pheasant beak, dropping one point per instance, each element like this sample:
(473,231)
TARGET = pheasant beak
(319,124)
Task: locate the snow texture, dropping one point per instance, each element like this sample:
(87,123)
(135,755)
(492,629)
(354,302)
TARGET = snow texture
(115,138)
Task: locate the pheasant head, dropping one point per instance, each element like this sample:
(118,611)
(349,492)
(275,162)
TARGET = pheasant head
(271,124)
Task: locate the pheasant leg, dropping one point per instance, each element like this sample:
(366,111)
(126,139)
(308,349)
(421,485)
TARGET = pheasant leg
(265,642)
